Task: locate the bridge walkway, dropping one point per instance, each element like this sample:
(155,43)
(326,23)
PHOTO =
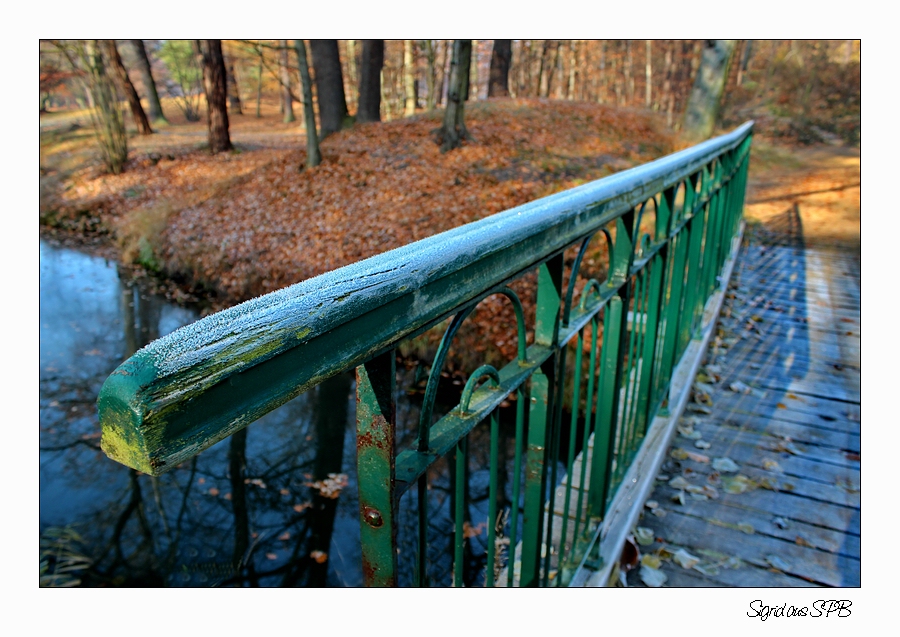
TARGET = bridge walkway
(761,485)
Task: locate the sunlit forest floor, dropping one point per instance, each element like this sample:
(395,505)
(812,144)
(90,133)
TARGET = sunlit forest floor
(239,224)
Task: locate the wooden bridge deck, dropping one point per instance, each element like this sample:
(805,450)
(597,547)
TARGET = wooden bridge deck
(783,382)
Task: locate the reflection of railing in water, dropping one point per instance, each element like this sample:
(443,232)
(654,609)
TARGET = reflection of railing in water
(668,227)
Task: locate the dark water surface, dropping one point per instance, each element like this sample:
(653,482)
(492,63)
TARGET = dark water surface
(273,505)
(248,511)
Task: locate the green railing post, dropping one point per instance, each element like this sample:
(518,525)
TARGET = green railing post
(375,423)
(540,414)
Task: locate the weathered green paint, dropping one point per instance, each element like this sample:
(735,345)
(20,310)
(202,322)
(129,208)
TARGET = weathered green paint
(541,415)
(607,408)
(375,455)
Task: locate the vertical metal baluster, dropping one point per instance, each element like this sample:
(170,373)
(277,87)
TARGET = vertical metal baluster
(651,330)
(492,502)
(570,457)
(459,540)
(586,457)
(517,471)
(543,386)
(375,422)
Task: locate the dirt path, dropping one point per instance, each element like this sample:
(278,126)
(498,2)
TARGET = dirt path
(821,183)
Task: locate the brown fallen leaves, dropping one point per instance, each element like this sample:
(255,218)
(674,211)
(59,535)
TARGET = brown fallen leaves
(247,223)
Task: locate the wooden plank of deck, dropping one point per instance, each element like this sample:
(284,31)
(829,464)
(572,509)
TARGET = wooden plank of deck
(790,332)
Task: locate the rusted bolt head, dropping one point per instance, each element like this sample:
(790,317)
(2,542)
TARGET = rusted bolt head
(373,517)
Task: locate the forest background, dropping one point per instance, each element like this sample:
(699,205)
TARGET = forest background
(411,138)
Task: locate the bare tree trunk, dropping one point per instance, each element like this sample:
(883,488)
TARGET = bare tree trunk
(313,155)
(454,129)
(703,105)
(445,71)
(648,61)
(234,93)
(352,71)
(524,89)
(544,77)
(629,74)
(473,72)
(134,102)
(573,66)
(746,52)
(601,93)
(287,102)
(143,63)
(329,85)
(409,72)
(369,106)
(429,74)
(108,120)
(259,77)
(668,93)
(499,76)
(557,72)
(216,100)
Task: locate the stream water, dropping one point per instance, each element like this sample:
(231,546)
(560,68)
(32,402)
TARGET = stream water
(243,512)
(273,505)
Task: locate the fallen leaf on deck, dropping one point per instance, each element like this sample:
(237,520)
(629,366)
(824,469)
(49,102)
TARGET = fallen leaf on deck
(652,577)
(781,406)
(700,409)
(688,432)
(678,453)
(660,513)
(651,560)
(697,457)
(737,484)
(702,444)
(846,484)
(771,465)
(678,497)
(768,483)
(714,556)
(710,570)
(786,446)
(725,465)
(777,562)
(685,559)
(631,555)
(651,504)
(746,528)
(780,522)
(643,535)
(739,387)
(679,483)
(802,541)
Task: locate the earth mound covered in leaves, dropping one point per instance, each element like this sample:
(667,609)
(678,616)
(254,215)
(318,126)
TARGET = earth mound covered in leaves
(238,225)
(381,186)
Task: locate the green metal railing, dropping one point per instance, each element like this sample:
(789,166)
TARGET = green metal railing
(595,374)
